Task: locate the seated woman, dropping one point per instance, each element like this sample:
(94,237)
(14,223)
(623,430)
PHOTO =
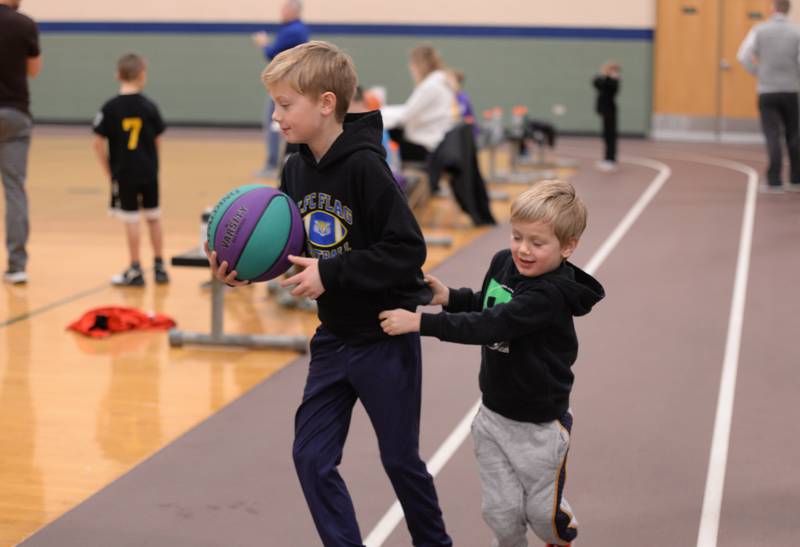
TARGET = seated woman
(420,124)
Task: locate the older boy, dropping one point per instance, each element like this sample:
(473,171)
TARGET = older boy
(131,123)
(523,319)
(366,255)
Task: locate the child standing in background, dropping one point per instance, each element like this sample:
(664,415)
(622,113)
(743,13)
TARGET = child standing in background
(131,125)
(607,85)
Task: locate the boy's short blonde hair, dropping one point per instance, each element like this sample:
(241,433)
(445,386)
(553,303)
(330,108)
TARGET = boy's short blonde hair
(315,68)
(130,66)
(553,202)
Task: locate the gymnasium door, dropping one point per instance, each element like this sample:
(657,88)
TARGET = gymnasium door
(738,106)
(699,86)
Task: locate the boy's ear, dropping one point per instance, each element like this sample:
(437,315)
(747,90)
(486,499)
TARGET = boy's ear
(328,102)
(569,247)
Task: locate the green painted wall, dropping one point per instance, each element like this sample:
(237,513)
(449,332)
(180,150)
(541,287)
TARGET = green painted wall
(214,78)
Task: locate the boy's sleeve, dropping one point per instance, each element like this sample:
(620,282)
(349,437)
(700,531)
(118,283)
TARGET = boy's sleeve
(399,249)
(158,122)
(463,300)
(526,312)
(100,123)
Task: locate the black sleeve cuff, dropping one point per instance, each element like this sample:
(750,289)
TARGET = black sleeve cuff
(329,271)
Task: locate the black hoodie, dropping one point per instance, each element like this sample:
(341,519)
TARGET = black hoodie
(525,326)
(359,225)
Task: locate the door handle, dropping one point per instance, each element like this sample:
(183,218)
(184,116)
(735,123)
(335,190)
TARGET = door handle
(724,64)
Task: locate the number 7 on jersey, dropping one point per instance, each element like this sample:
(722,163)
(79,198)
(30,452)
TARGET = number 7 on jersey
(134,125)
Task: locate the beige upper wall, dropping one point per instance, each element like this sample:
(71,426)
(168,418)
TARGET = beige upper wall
(570,13)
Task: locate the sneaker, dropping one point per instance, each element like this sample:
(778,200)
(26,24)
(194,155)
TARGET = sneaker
(132,277)
(794,187)
(606,165)
(161,275)
(15,278)
(770,189)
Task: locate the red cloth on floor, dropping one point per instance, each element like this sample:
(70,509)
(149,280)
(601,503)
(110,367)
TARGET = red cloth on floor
(101,322)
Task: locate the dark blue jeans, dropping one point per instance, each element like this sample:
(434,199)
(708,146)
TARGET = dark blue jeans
(386,377)
(272,137)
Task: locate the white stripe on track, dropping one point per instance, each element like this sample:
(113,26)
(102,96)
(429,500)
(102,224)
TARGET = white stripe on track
(708,530)
(394,515)
(718,459)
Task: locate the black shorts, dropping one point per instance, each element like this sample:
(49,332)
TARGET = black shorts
(132,195)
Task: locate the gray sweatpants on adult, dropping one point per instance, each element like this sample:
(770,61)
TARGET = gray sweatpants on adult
(522,468)
(15,140)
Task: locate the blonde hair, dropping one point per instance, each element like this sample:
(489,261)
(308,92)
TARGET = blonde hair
(426,59)
(130,66)
(553,202)
(315,68)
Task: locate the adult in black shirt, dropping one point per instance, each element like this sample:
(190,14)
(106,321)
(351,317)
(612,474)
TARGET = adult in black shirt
(20,58)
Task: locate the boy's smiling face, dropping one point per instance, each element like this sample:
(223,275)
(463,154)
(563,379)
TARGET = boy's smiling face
(535,248)
(300,117)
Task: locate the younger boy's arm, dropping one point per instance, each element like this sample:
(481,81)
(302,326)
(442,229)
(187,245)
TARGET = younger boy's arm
(101,152)
(524,313)
(463,300)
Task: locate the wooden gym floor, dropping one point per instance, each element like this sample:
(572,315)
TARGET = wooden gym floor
(77,413)
(684,398)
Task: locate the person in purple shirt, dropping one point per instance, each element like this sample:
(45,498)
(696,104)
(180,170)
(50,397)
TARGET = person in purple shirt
(292,32)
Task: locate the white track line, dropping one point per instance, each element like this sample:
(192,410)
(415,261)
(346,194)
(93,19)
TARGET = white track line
(394,515)
(718,459)
(720,441)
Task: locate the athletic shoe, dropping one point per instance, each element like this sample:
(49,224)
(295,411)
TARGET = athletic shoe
(794,187)
(15,278)
(132,277)
(606,165)
(162,277)
(770,189)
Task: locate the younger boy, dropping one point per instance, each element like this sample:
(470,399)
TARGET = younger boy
(131,124)
(366,253)
(523,319)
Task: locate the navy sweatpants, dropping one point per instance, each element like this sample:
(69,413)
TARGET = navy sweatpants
(387,377)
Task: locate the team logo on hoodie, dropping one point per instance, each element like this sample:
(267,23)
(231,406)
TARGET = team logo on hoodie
(497,293)
(324,229)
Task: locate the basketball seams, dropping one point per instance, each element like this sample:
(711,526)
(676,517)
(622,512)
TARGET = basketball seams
(254,228)
(222,207)
(268,237)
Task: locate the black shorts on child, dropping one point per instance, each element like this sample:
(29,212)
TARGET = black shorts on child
(132,195)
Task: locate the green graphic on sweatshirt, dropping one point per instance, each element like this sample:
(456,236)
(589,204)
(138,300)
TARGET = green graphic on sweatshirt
(496,294)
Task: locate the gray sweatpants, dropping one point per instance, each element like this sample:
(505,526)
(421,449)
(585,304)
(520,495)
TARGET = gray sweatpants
(522,468)
(15,140)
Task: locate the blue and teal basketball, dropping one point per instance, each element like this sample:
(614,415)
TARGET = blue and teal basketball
(255,228)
